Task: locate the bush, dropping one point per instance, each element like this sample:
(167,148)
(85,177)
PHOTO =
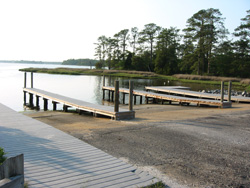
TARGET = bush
(2,157)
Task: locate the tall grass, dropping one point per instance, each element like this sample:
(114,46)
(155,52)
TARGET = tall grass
(210,78)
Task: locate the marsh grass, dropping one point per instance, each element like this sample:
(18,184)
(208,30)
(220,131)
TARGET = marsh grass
(206,78)
(187,78)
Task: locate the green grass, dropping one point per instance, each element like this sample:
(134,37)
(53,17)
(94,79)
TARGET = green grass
(156,185)
(2,157)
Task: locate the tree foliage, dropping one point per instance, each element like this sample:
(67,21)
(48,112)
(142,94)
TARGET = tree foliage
(203,48)
(87,62)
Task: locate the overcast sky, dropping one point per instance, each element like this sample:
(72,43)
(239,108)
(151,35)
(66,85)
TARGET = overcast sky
(57,30)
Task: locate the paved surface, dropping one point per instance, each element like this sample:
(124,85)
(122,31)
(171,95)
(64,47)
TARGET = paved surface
(56,159)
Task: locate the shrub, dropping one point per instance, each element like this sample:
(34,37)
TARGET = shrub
(2,157)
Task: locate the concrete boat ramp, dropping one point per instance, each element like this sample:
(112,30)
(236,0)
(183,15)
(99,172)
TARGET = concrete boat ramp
(53,158)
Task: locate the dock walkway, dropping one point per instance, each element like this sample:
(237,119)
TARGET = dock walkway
(55,159)
(172,98)
(81,105)
(187,93)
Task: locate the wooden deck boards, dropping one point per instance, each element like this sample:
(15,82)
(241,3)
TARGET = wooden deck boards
(53,158)
(173,98)
(82,105)
(182,92)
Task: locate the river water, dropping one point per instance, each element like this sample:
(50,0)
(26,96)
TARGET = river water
(86,88)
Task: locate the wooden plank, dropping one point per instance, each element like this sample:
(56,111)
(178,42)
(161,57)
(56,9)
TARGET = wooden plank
(82,105)
(174,98)
(54,159)
(195,93)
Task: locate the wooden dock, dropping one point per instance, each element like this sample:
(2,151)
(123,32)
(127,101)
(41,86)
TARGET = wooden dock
(54,159)
(81,106)
(168,98)
(186,93)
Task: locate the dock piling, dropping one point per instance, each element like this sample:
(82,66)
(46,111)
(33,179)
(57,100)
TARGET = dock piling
(116,96)
(25,79)
(131,88)
(37,101)
(31,100)
(229,91)
(24,98)
(45,104)
(31,79)
(103,84)
(222,91)
(54,105)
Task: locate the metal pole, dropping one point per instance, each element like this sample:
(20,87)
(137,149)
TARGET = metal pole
(31,79)
(222,91)
(25,79)
(229,91)
(131,88)
(116,96)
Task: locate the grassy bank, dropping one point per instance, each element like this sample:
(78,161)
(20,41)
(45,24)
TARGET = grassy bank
(212,80)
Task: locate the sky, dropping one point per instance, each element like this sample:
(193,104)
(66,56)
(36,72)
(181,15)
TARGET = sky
(57,30)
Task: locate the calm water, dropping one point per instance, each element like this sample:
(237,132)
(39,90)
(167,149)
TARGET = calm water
(87,88)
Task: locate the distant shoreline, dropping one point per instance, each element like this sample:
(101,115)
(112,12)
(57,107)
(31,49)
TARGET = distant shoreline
(30,62)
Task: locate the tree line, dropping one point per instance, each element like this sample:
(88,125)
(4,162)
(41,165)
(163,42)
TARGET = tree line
(86,62)
(203,48)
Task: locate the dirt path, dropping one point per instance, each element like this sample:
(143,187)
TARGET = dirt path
(184,146)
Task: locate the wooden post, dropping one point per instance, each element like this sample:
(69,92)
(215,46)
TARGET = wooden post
(37,101)
(103,84)
(54,105)
(25,79)
(45,104)
(103,80)
(112,96)
(222,91)
(109,80)
(24,98)
(103,94)
(123,99)
(140,99)
(65,108)
(146,100)
(134,99)
(116,109)
(131,88)
(109,95)
(31,78)
(31,100)
(229,91)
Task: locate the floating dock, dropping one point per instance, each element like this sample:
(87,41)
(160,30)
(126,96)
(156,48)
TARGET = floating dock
(186,93)
(168,98)
(81,106)
(55,159)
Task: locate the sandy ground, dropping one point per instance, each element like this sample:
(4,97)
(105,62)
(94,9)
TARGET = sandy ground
(184,146)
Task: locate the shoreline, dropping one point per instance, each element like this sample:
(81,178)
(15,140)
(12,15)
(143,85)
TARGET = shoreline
(210,80)
(174,143)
